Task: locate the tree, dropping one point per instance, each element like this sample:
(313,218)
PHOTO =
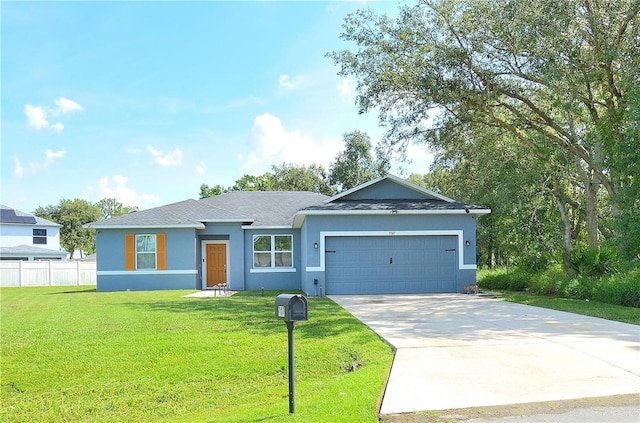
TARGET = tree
(555,76)
(625,165)
(284,177)
(355,165)
(111,207)
(289,177)
(262,182)
(206,191)
(72,214)
(484,166)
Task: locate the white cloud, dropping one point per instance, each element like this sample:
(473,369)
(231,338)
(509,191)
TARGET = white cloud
(346,87)
(65,105)
(285,81)
(57,127)
(173,158)
(115,187)
(34,167)
(51,156)
(200,169)
(18,170)
(38,116)
(270,143)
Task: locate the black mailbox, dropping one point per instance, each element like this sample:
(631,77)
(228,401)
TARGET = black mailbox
(291,307)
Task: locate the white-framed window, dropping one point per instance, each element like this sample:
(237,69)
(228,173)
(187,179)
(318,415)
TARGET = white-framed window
(272,251)
(145,251)
(40,236)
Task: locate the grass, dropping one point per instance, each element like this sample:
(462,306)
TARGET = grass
(587,308)
(73,354)
(612,297)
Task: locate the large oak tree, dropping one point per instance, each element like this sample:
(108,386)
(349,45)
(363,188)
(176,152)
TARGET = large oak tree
(557,77)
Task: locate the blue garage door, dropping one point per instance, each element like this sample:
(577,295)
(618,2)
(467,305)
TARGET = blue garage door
(391,265)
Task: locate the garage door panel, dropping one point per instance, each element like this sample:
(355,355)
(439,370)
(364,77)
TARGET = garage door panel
(402,264)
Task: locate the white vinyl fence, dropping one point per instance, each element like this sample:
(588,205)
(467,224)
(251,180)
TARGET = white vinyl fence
(46,273)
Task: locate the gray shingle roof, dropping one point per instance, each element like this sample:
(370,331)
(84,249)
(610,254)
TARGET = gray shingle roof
(30,250)
(382,205)
(278,208)
(258,208)
(267,208)
(184,213)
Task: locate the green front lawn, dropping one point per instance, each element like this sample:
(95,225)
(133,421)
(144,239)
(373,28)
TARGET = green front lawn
(73,354)
(587,308)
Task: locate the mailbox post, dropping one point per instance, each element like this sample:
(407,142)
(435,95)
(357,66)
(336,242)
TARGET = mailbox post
(291,308)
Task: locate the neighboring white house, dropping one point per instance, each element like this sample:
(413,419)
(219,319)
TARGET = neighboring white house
(27,237)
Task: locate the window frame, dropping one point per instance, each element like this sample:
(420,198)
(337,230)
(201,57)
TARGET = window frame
(154,252)
(39,236)
(273,251)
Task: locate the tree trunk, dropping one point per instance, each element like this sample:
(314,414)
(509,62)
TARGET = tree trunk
(591,207)
(566,238)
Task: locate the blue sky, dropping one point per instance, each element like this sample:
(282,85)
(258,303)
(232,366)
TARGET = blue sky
(145,101)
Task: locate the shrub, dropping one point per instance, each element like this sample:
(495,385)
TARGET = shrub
(519,280)
(548,282)
(580,288)
(502,279)
(589,262)
(621,289)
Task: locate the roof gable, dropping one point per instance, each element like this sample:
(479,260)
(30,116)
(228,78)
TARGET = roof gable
(388,188)
(387,195)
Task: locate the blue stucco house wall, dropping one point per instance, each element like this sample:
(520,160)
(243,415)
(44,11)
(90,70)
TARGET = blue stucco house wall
(179,273)
(384,236)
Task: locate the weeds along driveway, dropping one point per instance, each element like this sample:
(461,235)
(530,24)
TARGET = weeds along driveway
(458,351)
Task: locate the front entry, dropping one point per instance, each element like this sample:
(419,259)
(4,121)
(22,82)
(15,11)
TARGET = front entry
(216,261)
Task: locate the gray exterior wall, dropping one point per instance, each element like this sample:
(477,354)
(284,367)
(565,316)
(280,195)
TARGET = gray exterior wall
(181,265)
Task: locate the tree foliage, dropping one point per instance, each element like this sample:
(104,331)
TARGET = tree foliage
(206,191)
(262,182)
(625,165)
(355,165)
(110,207)
(313,178)
(72,214)
(553,82)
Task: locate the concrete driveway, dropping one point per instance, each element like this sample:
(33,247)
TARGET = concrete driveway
(459,351)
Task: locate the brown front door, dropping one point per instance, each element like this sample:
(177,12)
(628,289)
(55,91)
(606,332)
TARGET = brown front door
(216,264)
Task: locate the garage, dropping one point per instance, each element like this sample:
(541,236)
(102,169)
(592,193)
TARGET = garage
(391,264)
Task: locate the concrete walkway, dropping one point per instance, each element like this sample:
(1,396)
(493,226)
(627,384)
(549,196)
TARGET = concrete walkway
(459,351)
(209,293)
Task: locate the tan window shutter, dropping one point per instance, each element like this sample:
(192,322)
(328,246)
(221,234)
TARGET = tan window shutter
(161,250)
(129,252)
